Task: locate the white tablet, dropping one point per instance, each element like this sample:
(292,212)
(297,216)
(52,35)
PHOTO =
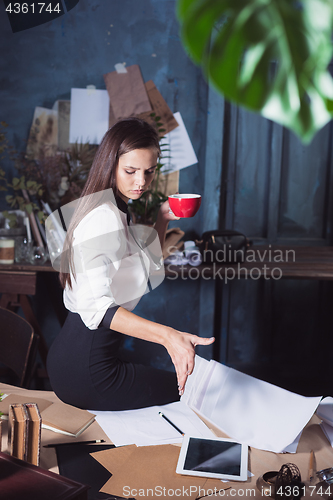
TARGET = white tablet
(218,457)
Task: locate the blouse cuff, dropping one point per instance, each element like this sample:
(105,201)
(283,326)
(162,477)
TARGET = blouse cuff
(108,316)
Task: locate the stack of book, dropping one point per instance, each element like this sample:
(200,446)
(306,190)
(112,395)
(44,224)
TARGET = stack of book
(57,417)
(25,432)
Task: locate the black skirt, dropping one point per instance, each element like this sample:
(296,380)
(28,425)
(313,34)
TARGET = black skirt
(85,371)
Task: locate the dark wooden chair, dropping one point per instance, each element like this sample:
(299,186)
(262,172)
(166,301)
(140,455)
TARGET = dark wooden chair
(18,346)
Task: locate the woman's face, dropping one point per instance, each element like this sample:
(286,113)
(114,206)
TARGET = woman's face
(135,172)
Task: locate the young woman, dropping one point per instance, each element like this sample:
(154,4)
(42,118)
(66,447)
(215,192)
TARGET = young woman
(104,274)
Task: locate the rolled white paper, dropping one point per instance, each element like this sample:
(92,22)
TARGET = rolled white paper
(27,225)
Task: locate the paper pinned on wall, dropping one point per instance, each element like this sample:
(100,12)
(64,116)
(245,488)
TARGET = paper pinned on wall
(43,136)
(179,148)
(160,108)
(120,68)
(89,115)
(127,92)
(64,111)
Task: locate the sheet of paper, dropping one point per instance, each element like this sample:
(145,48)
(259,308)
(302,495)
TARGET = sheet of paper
(127,92)
(89,115)
(292,447)
(144,427)
(160,108)
(325,410)
(178,148)
(328,431)
(43,136)
(151,472)
(247,409)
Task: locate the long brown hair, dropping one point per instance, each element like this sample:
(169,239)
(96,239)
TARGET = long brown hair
(125,136)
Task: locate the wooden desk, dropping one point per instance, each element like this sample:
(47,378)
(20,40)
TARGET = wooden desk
(259,461)
(48,458)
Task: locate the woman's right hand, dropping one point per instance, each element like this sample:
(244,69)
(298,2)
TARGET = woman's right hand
(181,348)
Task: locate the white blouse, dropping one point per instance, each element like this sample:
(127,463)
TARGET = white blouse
(115,264)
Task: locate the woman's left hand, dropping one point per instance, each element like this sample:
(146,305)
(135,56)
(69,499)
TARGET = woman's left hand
(166,213)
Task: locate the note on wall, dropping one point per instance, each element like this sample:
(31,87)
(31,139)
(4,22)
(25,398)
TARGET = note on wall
(179,148)
(89,117)
(160,107)
(43,136)
(127,92)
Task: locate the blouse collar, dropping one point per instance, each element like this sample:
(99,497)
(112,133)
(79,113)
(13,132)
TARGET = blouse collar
(122,206)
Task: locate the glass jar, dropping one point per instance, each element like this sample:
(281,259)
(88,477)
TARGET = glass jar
(23,250)
(7,250)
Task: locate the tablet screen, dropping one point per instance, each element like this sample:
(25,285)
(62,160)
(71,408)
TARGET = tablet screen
(220,458)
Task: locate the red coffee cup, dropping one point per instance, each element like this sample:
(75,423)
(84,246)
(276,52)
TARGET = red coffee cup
(184,205)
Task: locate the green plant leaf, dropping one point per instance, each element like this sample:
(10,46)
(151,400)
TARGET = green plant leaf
(270,56)
(9,198)
(41,215)
(28,208)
